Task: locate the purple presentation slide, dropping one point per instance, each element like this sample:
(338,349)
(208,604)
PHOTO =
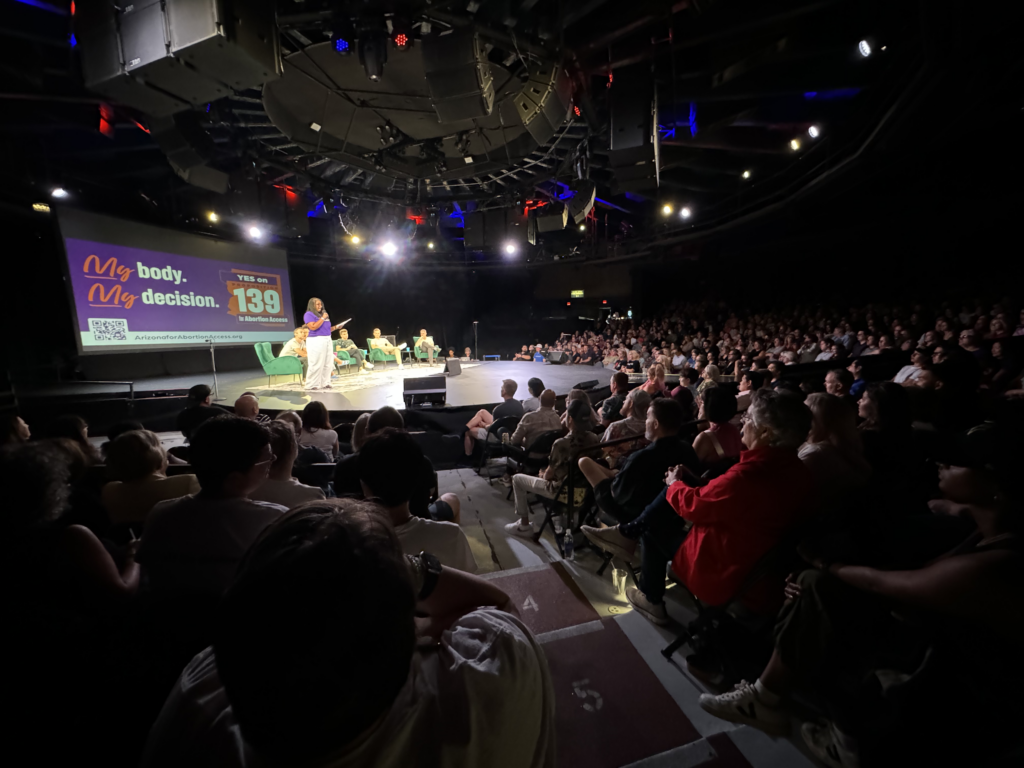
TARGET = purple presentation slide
(133,297)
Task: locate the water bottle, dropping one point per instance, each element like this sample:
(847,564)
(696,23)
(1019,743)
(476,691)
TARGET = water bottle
(568,546)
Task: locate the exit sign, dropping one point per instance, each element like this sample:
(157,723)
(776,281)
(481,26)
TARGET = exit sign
(575,294)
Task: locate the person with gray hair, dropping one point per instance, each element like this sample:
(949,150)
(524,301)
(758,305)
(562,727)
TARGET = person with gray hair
(715,533)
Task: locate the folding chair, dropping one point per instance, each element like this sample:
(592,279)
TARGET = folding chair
(716,632)
(569,500)
(491,445)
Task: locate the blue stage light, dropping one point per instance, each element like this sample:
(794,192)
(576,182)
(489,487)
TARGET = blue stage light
(341,45)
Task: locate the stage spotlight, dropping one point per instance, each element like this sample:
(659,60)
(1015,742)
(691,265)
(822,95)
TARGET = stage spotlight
(583,227)
(814,132)
(213,217)
(58,193)
(510,248)
(746,174)
(389,249)
(255,233)
(865,48)
(666,210)
(430,245)
(40,207)
(794,144)
(685,213)
(355,240)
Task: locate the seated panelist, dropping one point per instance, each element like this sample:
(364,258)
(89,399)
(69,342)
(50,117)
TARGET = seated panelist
(426,344)
(345,343)
(386,346)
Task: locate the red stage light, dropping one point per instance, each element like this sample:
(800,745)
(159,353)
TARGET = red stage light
(401,39)
(604,301)
(568,303)
(576,110)
(72,7)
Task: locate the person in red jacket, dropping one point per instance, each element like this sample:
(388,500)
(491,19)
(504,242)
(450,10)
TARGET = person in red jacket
(715,533)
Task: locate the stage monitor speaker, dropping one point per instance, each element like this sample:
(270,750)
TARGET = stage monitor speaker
(159,56)
(586,385)
(426,391)
(531,227)
(544,101)
(458,75)
(552,218)
(452,366)
(557,358)
(582,202)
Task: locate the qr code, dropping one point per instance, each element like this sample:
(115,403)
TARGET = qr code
(108,330)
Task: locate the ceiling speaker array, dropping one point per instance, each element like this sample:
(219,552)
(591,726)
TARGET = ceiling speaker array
(162,57)
(458,75)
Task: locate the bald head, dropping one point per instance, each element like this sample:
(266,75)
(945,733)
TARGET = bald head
(247,406)
(547,398)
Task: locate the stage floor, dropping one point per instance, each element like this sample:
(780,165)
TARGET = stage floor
(478,384)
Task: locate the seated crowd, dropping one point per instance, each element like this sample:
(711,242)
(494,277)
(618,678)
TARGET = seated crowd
(319,593)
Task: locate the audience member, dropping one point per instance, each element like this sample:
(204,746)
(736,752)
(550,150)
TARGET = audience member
(75,429)
(198,408)
(288,682)
(383,453)
(833,451)
(565,451)
(611,406)
(422,503)
(837,616)
(720,443)
(736,518)
(70,566)
(15,430)
(280,487)
(536,423)
(317,430)
(308,454)
(633,424)
(625,492)
(476,429)
(908,374)
(535,386)
(856,368)
(137,466)
(193,544)
(655,384)
(260,418)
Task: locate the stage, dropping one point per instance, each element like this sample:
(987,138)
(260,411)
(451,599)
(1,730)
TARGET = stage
(478,384)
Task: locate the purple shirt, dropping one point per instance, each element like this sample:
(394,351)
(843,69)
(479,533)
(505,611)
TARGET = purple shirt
(323,330)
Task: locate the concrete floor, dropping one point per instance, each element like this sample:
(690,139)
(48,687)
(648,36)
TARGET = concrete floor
(485,511)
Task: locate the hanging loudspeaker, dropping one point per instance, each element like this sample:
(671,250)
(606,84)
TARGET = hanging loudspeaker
(544,101)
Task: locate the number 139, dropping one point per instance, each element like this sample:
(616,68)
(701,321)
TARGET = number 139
(257,301)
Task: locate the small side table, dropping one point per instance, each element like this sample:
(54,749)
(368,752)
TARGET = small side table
(410,356)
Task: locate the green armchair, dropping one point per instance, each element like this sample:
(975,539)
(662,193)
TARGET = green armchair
(378,356)
(420,354)
(277,366)
(345,359)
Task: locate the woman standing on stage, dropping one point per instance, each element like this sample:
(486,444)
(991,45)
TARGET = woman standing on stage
(318,346)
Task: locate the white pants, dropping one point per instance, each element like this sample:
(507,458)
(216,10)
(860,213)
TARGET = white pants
(522,485)
(321,361)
